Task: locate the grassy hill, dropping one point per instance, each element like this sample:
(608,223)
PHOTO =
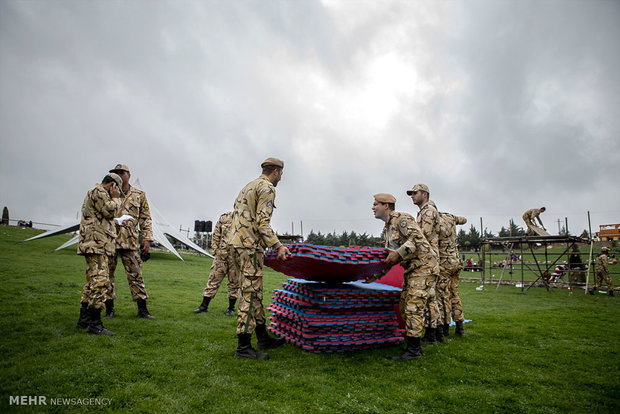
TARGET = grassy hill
(535,352)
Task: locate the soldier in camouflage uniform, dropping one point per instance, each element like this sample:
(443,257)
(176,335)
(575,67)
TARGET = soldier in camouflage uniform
(96,244)
(428,220)
(134,204)
(407,245)
(449,269)
(222,266)
(602,272)
(251,234)
(529,216)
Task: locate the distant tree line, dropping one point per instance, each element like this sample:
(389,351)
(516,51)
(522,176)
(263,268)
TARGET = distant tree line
(345,239)
(470,240)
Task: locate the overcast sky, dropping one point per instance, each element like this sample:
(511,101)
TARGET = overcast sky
(498,106)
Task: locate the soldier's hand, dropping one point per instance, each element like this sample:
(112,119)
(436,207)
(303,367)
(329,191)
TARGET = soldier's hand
(371,278)
(146,245)
(115,192)
(392,258)
(282,252)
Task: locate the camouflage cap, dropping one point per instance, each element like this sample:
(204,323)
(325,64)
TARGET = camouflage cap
(604,249)
(272,161)
(385,198)
(117,179)
(119,167)
(418,187)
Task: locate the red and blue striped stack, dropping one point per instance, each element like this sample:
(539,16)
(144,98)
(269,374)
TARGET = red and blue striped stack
(333,316)
(328,264)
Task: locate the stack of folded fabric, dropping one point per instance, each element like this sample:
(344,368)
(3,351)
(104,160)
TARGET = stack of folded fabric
(320,317)
(329,264)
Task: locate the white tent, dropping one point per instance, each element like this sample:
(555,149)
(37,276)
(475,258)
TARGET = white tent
(161,229)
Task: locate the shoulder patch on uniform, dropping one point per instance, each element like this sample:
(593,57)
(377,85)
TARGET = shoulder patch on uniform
(403,223)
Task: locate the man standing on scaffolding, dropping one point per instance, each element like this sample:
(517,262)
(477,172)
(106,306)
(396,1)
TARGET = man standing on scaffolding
(528,218)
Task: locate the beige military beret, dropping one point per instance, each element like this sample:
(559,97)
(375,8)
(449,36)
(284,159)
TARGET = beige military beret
(119,167)
(418,187)
(604,249)
(385,198)
(272,161)
(118,180)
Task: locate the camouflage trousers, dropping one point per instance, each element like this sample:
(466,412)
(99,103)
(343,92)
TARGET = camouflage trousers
(414,297)
(133,269)
(456,307)
(442,288)
(222,265)
(599,281)
(431,309)
(249,266)
(97,281)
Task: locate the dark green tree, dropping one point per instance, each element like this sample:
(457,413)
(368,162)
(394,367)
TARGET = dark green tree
(504,232)
(461,238)
(515,230)
(5,216)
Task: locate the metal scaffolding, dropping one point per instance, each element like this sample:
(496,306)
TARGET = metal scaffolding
(539,268)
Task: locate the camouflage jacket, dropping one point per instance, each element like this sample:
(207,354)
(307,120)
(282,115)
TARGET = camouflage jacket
(448,249)
(221,234)
(402,233)
(532,213)
(134,204)
(251,227)
(428,220)
(602,265)
(97,229)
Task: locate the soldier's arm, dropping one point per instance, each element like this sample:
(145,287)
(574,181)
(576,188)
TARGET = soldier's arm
(407,228)
(460,220)
(217,234)
(146,224)
(107,206)
(264,210)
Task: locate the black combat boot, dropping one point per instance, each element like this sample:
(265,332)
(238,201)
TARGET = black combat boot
(245,350)
(591,291)
(429,336)
(459,329)
(266,341)
(95,326)
(83,321)
(446,329)
(109,308)
(611,293)
(204,306)
(439,334)
(413,351)
(231,307)
(143,312)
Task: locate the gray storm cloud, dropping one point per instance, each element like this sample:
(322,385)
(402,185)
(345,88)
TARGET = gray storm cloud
(499,106)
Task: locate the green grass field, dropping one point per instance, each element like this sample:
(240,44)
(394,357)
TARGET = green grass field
(542,352)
